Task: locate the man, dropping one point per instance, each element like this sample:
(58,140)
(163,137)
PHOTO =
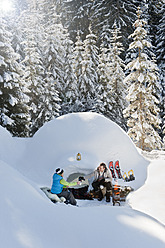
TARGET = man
(59,187)
(102,176)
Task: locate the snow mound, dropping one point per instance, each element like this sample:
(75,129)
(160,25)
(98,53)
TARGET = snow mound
(8,146)
(30,219)
(57,143)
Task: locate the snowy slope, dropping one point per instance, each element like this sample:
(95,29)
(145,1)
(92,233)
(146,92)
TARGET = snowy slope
(150,198)
(29,219)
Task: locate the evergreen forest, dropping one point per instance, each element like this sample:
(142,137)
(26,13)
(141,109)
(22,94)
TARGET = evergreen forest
(65,56)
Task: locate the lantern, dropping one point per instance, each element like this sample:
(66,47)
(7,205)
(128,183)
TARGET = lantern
(78,157)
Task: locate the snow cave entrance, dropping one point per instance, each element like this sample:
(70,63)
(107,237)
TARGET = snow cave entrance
(74,176)
(80,191)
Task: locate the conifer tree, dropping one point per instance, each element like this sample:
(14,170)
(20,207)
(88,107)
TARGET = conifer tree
(33,68)
(111,75)
(117,86)
(153,15)
(75,17)
(142,112)
(113,11)
(43,102)
(13,99)
(20,5)
(78,70)
(85,63)
(55,52)
(163,132)
(160,54)
(70,91)
(103,105)
(89,77)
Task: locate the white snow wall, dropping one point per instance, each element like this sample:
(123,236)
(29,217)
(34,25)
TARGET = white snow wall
(57,143)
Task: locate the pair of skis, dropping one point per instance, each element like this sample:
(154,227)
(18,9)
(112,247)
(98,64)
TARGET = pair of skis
(115,168)
(125,177)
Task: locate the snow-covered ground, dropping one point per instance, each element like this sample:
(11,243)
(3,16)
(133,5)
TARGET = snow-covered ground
(29,219)
(150,198)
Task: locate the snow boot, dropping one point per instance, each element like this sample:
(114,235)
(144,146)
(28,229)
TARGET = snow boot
(131,175)
(100,195)
(108,196)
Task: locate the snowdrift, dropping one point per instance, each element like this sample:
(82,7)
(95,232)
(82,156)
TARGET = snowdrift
(57,143)
(150,198)
(29,219)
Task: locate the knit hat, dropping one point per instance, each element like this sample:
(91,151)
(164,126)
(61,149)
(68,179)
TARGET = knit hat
(59,171)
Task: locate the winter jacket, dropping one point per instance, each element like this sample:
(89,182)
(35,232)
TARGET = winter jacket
(59,183)
(106,175)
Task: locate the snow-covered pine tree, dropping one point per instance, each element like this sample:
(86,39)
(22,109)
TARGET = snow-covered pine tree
(85,63)
(78,70)
(144,6)
(43,99)
(111,11)
(33,67)
(142,112)
(89,78)
(13,108)
(117,87)
(70,91)
(59,58)
(151,9)
(20,5)
(103,102)
(55,52)
(75,17)
(98,15)
(105,36)
(160,54)
(156,89)
(163,132)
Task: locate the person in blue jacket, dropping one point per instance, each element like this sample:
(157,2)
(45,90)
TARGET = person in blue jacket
(59,187)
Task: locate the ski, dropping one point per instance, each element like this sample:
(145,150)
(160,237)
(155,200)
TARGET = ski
(118,171)
(112,169)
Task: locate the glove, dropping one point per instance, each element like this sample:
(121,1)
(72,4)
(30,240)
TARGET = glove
(81,179)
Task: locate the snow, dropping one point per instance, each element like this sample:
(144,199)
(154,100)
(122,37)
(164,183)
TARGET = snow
(7,77)
(142,199)
(30,219)
(141,78)
(13,100)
